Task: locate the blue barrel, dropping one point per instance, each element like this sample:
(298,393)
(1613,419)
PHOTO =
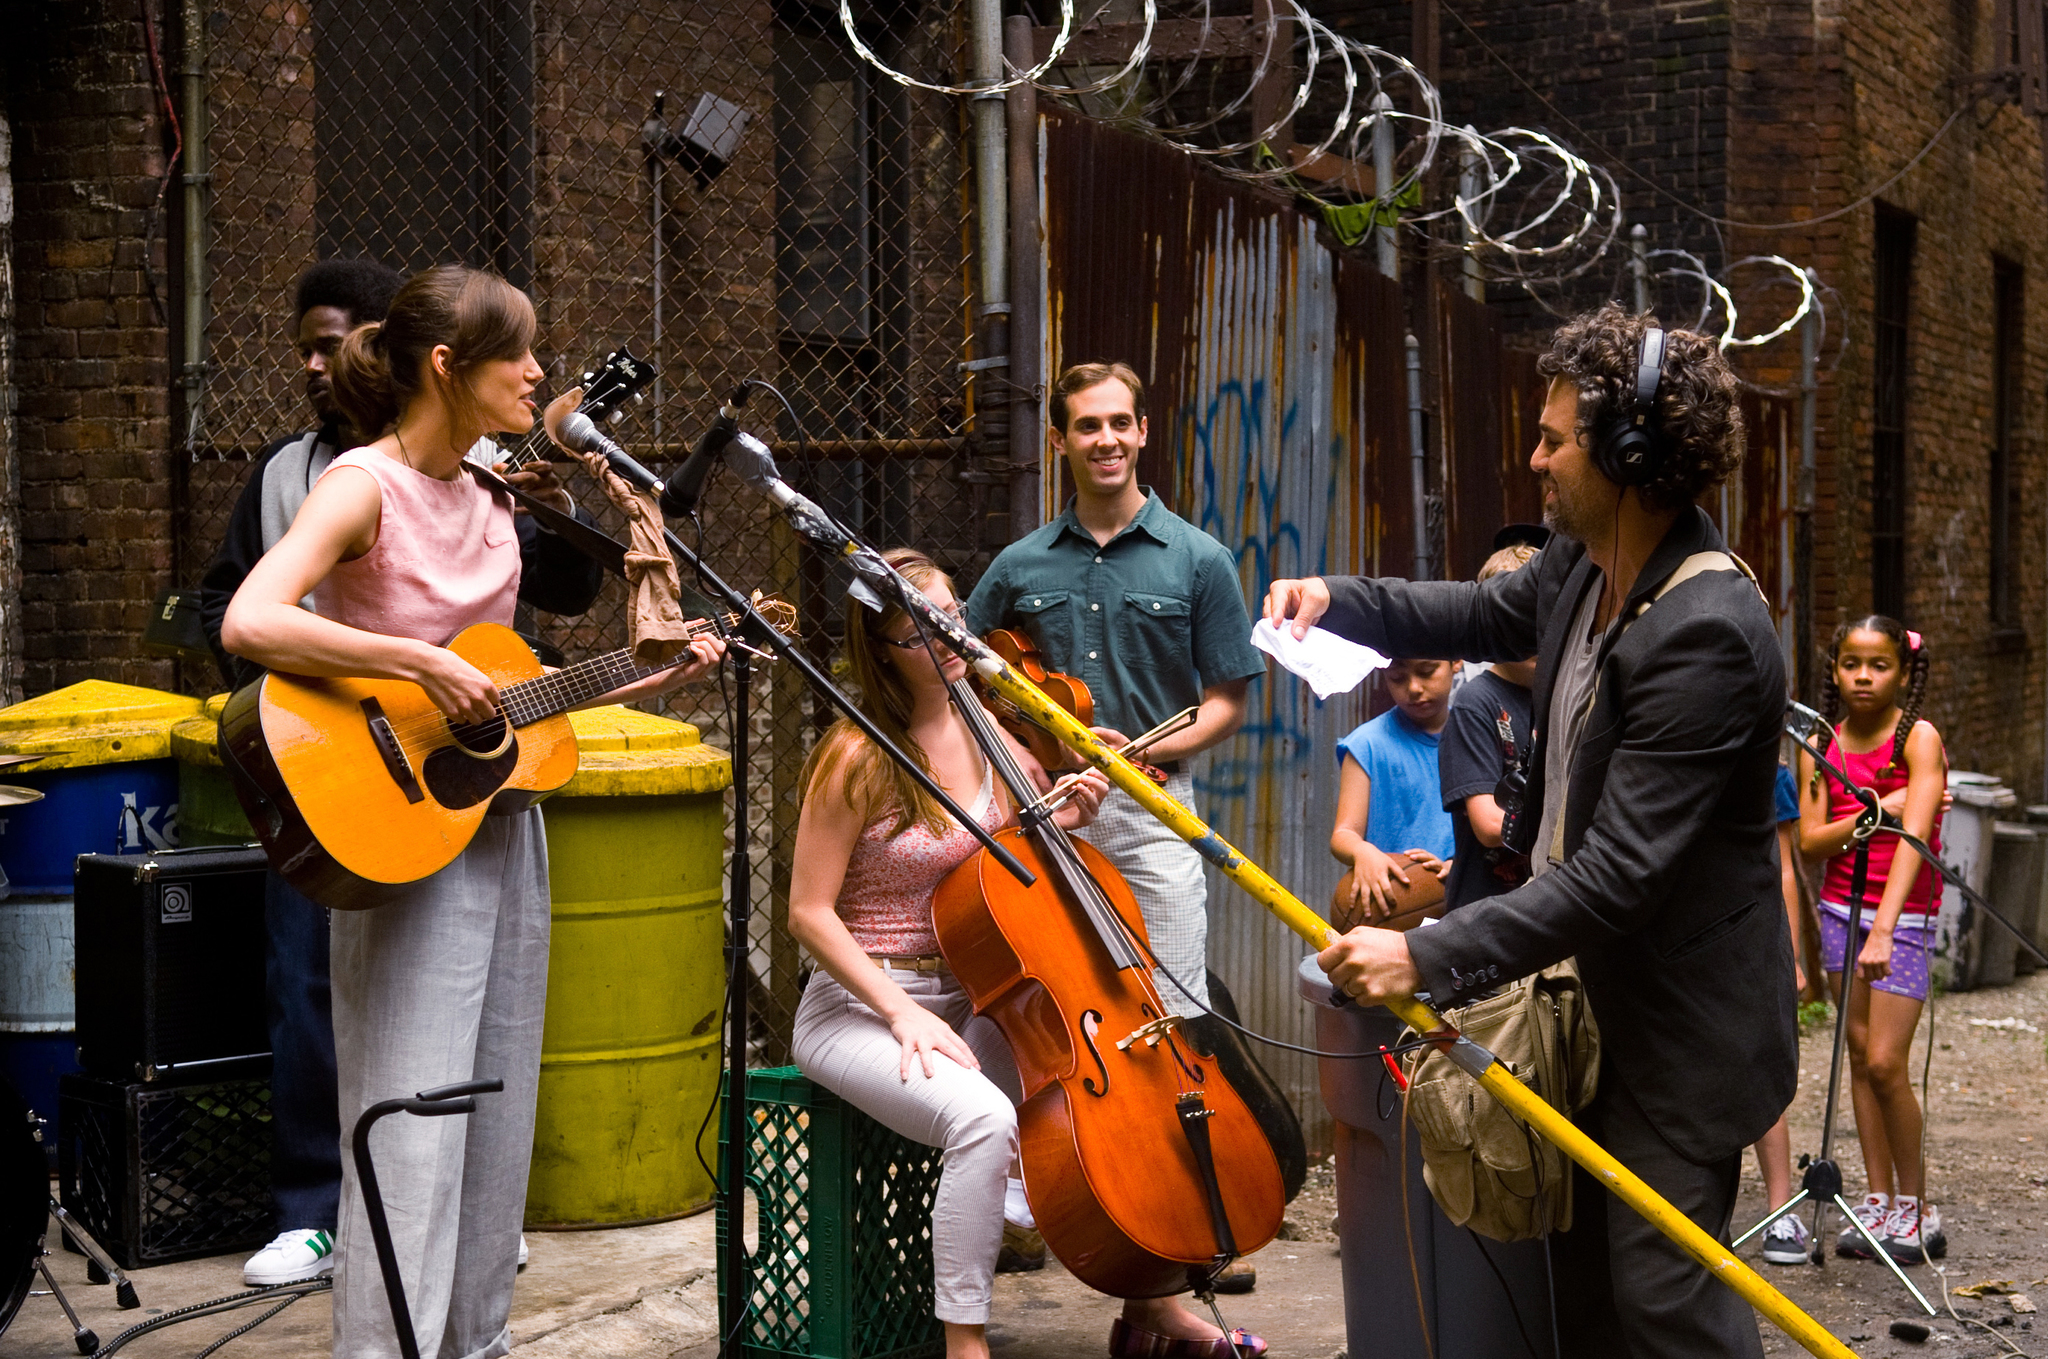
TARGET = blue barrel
(112,809)
(102,761)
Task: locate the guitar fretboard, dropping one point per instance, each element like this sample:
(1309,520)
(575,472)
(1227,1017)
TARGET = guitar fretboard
(531,700)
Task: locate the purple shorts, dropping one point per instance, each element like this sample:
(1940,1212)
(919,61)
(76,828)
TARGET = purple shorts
(1912,943)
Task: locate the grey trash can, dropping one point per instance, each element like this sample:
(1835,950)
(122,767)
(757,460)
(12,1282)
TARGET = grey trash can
(1451,1302)
(1964,937)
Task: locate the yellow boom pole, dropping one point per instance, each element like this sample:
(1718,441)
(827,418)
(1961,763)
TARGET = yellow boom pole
(1523,1102)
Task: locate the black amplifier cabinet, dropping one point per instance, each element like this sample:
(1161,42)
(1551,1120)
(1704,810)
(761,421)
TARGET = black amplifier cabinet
(170,961)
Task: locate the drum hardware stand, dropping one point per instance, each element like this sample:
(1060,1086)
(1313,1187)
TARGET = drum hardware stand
(100,1267)
(439,1102)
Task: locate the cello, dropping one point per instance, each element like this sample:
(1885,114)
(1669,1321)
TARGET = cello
(1146,1170)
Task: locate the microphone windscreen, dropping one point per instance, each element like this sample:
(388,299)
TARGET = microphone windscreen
(578,432)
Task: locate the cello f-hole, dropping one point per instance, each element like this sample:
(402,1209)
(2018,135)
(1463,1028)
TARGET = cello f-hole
(1091,1020)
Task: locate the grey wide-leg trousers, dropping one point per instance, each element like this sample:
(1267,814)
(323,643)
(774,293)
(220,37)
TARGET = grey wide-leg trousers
(446,985)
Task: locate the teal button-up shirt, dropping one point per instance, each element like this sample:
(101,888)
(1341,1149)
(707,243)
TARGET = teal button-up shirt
(1146,620)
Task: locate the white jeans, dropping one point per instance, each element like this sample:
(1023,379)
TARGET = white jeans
(846,1047)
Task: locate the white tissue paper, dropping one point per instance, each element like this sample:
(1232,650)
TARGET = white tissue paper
(1328,663)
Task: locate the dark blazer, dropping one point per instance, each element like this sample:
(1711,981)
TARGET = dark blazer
(1669,892)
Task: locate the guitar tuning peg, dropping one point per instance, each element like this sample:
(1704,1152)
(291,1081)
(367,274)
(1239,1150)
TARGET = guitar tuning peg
(615,416)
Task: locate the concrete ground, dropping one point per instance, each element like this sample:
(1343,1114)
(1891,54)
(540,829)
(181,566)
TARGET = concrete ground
(650,1293)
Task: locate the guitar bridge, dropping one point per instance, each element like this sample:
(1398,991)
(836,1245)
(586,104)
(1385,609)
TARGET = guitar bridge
(395,762)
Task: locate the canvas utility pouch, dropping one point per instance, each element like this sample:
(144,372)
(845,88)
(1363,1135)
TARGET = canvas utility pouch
(1484,1168)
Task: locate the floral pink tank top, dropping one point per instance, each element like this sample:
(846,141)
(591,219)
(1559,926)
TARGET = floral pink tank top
(447,555)
(886,900)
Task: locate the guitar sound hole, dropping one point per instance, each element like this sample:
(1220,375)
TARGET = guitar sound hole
(481,738)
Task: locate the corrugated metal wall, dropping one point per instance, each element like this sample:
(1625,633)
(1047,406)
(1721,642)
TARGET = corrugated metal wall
(1277,400)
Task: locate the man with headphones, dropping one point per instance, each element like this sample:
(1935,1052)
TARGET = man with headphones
(1647,816)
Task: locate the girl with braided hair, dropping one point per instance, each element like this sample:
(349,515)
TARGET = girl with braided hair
(1876,682)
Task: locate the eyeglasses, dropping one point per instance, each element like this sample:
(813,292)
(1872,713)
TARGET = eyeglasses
(915,641)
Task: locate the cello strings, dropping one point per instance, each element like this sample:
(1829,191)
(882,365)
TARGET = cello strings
(1144,945)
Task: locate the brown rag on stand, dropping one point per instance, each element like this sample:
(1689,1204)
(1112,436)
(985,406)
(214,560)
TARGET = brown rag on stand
(659,631)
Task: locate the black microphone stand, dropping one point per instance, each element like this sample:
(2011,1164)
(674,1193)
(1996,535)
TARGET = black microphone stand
(754,631)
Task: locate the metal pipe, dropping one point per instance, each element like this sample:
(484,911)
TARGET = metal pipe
(653,134)
(1418,456)
(1802,502)
(1468,190)
(192,346)
(992,225)
(1382,178)
(1639,265)
(1027,312)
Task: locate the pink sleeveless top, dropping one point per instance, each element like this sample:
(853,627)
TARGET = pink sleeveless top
(886,900)
(447,556)
(1841,868)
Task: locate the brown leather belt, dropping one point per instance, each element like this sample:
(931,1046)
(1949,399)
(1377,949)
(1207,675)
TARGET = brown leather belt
(928,962)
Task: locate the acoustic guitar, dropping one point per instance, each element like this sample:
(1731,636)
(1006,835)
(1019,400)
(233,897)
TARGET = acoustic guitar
(357,787)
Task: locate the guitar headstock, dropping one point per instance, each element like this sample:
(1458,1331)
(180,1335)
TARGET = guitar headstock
(610,385)
(607,387)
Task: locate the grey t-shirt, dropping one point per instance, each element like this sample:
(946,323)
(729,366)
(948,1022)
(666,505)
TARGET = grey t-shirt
(1571,698)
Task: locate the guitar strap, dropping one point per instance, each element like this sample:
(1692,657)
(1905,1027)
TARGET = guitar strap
(591,541)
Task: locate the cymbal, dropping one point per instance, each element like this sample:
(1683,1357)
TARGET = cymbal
(6,760)
(14,795)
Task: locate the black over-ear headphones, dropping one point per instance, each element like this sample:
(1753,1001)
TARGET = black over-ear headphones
(1628,451)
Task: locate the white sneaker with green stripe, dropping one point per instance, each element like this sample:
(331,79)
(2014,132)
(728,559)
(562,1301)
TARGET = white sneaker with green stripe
(293,1256)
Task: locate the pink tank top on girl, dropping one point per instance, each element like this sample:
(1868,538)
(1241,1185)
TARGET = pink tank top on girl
(886,900)
(1841,868)
(447,556)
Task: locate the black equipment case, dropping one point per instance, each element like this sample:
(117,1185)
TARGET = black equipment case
(170,962)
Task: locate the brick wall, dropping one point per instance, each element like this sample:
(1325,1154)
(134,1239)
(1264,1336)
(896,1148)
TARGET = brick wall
(1979,193)
(90,367)
(10,467)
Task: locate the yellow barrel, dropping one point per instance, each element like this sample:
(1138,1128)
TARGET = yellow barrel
(630,1054)
(208,813)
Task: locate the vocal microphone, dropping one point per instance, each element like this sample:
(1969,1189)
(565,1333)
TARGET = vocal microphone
(685,486)
(578,432)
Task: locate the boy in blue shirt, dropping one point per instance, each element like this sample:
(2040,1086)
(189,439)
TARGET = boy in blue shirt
(1391,823)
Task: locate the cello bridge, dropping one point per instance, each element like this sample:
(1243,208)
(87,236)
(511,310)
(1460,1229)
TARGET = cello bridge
(1149,1034)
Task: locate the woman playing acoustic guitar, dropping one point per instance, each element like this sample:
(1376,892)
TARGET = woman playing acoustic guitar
(883,1023)
(400,549)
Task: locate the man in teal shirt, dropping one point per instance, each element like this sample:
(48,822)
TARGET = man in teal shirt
(1146,609)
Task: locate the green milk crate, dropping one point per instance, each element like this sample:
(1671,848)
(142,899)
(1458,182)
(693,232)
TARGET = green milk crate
(842,1265)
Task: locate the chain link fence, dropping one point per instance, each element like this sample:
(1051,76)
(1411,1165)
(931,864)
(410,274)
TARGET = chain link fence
(725,188)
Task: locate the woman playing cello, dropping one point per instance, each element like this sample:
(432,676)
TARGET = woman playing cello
(883,1023)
